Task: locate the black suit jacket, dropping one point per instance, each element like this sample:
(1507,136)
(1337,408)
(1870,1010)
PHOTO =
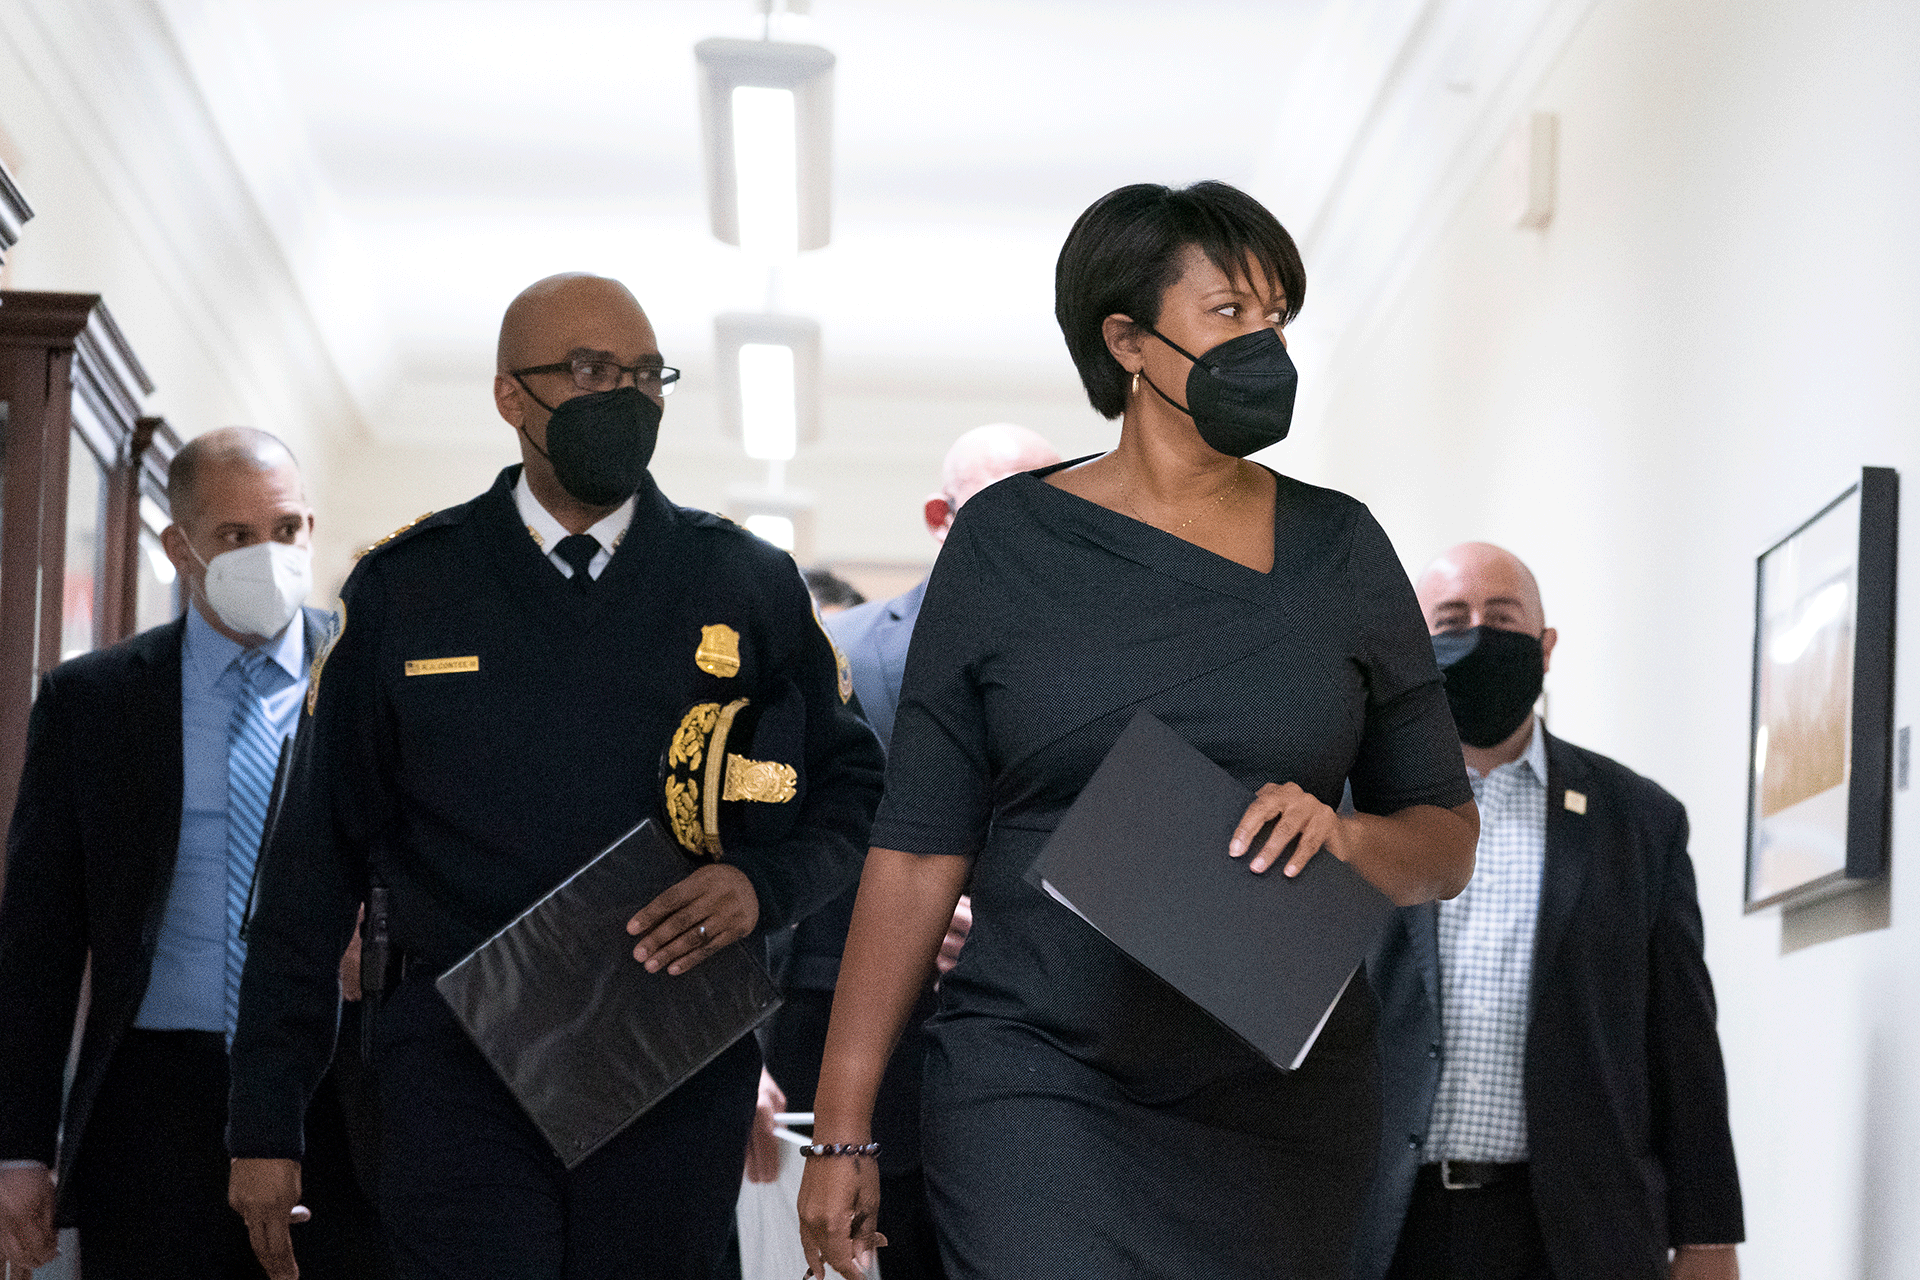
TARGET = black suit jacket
(90,859)
(1626,1095)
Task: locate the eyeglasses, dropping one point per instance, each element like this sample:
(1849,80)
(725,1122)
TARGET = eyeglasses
(604,375)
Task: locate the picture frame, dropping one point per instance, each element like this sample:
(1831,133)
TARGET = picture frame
(1819,746)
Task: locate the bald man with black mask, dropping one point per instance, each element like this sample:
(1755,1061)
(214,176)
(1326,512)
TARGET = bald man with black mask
(1554,1101)
(493,715)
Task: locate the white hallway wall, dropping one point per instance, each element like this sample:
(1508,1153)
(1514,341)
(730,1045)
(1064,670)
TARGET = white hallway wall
(136,199)
(1717,331)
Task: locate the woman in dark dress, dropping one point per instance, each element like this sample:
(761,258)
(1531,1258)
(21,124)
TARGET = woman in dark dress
(1082,1118)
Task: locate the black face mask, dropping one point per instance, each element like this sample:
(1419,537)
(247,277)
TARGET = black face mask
(1493,680)
(600,443)
(1239,394)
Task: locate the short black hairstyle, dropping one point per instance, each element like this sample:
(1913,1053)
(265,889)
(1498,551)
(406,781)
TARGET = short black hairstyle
(830,590)
(1124,253)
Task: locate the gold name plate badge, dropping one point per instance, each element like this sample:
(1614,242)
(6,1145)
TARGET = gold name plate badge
(442,666)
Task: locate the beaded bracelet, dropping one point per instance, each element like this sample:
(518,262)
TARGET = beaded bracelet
(814,1149)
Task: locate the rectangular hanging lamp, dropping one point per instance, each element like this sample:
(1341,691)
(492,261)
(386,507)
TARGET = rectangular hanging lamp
(785,518)
(766,122)
(768,371)
(769,417)
(778,530)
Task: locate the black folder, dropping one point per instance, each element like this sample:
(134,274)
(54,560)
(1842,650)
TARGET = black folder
(585,1038)
(1142,857)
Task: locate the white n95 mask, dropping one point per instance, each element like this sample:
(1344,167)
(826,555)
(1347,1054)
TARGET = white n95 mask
(258,590)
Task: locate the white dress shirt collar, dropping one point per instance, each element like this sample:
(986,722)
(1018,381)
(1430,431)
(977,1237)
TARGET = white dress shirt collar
(547,531)
(207,654)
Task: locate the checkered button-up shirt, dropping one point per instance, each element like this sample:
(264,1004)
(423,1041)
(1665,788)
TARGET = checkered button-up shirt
(1486,969)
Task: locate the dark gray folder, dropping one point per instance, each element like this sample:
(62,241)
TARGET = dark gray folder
(1142,857)
(585,1038)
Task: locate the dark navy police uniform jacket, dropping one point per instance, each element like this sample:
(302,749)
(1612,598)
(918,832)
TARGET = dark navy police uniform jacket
(527,737)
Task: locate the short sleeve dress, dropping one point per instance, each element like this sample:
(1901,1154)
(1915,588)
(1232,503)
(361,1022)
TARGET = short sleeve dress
(1081,1117)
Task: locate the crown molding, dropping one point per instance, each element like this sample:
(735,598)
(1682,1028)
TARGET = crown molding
(236,75)
(115,78)
(1397,110)
(14,212)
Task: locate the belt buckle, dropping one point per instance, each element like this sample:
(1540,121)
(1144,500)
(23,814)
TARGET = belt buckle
(1446,1177)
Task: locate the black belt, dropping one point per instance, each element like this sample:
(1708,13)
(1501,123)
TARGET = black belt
(1472,1175)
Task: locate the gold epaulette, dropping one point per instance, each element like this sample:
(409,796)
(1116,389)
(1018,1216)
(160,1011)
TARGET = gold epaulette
(377,544)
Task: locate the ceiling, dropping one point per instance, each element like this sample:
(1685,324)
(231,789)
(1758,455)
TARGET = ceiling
(415,163)
(468,147)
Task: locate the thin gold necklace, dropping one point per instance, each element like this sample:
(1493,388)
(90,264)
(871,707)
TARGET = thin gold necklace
(1239,473)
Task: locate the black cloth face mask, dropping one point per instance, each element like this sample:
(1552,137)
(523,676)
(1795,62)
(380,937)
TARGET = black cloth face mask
(1493,679)
(1239,394)
(600,443)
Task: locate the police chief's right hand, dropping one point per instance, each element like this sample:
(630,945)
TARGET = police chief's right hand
(27,1238)
(266,1194)
(711,908)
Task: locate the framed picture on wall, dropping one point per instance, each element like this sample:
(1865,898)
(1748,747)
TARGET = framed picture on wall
(1818,791)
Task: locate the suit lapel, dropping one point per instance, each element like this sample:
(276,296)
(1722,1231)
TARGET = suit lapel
(154,716)
(1568,854)
(154,712)
(318,626)
(891,637)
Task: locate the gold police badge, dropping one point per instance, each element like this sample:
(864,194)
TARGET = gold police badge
(719,651)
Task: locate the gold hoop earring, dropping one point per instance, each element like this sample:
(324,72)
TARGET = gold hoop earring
(1136,383)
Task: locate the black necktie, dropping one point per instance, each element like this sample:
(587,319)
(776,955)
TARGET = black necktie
(578,550)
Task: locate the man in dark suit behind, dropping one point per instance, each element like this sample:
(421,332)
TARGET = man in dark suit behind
(127,848)
(1555,1105)
(874,638)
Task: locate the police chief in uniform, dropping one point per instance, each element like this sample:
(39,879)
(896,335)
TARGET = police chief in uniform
(493,714)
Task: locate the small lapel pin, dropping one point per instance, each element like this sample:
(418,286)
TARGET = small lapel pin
(1576,801)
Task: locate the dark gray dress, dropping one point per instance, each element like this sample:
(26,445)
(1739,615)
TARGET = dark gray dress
(1082,1118)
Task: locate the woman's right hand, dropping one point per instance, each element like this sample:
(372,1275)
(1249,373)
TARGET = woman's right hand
(1293,812)
(839,1208)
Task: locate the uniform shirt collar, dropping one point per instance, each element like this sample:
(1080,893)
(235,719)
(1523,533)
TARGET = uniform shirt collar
(205,654)
(547,531)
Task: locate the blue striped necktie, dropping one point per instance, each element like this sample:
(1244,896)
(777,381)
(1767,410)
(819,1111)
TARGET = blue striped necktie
(253,753)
